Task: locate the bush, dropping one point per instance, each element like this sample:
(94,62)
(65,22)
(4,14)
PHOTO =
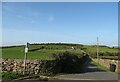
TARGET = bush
(69,62)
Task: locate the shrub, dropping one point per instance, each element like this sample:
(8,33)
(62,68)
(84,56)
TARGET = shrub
(69,62)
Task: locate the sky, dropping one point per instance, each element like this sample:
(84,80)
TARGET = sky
(65,22)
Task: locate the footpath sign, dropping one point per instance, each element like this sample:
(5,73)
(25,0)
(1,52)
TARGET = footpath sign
(26,50)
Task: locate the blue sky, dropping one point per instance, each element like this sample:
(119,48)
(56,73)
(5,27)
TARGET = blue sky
(60,22)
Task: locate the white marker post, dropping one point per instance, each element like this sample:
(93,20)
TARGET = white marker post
(26,51)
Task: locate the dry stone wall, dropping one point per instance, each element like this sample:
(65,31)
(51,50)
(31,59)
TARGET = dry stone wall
(106,63)
(32,66)
(67,63)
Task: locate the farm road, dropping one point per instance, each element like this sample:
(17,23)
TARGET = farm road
(91,72)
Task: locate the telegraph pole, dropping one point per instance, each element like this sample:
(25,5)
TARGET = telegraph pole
(97,49)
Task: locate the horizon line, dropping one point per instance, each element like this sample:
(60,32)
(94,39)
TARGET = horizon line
(58,43)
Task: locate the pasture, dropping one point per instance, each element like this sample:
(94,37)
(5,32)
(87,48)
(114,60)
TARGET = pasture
(45,51)
(102,49)
(42,52)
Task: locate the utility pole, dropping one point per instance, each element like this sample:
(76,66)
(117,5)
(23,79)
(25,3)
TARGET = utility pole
(97,49)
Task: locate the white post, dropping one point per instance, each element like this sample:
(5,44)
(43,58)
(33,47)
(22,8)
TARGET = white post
(26,51)
(97,50)
(24,63)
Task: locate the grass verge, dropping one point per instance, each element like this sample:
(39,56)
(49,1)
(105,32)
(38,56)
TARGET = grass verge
(6,76)
(12,75)
(104,68)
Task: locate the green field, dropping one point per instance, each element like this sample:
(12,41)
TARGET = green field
(44,54)
(45,51)
(101,49)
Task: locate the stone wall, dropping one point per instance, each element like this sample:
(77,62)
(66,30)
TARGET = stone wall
(32,66)
(106,63)
(67,63)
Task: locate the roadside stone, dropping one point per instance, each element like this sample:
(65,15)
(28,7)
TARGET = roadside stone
(43,78)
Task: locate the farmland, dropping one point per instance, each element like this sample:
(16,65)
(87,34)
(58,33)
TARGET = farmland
(104,52)
(102,49)
(45,51)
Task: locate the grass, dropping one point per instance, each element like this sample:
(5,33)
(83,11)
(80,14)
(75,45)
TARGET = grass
(15,75)
(101,67)
(48,49)
(41,54)
(11,75)
(101,49)
(108,57)
(104,68)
